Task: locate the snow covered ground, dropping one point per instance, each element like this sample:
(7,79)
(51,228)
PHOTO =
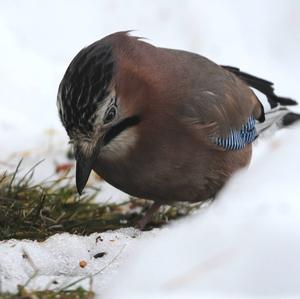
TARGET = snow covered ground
(247,244)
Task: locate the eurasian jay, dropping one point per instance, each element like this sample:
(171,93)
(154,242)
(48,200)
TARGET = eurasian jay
(161,124)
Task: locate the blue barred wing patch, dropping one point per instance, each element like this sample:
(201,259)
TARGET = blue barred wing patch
(236,139)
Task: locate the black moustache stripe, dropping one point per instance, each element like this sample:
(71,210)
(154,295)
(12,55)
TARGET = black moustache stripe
(120,127)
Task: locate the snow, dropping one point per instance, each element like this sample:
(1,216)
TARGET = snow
(57,260)
(246,244)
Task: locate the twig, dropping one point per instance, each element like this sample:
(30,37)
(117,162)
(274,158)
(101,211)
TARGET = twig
(30,171)
(33,266)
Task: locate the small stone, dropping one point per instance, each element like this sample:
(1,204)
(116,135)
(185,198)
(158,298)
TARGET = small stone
(82,264)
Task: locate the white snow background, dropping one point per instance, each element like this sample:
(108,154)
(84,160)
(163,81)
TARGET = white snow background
(245,245)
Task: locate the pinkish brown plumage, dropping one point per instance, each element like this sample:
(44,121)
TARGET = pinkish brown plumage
(157,123)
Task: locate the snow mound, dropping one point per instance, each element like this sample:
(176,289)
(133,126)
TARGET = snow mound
(245,245)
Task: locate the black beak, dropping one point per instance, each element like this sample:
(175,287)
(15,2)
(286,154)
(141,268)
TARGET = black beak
(83,170)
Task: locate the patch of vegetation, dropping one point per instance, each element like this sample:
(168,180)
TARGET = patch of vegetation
(37,211)
(25,294)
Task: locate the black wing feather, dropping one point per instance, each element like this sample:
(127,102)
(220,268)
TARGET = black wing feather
(262,85)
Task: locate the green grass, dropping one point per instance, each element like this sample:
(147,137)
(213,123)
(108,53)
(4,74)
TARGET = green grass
(37,211)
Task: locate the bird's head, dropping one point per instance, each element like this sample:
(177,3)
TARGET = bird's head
(91,109)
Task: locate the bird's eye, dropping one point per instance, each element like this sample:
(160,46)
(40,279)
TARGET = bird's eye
(110,114)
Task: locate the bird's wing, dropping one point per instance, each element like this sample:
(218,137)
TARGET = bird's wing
(227,104)
(226,109)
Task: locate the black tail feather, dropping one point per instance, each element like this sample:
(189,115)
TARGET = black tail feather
(290,118)
(262,85)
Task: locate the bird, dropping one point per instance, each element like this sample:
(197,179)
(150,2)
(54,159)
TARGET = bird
(161,124)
